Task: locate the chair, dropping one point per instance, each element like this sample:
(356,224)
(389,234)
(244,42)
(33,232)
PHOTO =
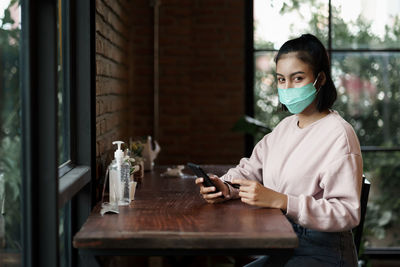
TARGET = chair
(357,231)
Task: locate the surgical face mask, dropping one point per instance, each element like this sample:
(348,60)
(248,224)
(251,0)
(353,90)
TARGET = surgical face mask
(297,99)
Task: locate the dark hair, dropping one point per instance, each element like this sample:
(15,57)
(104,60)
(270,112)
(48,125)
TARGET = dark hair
(311,51)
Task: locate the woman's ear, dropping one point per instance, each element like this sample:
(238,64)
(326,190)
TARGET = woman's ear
(321,80)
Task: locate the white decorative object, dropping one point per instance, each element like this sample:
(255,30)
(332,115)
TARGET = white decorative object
(174,172)
(150,153)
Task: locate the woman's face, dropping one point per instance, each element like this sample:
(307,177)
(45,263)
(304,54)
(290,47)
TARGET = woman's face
(291,72)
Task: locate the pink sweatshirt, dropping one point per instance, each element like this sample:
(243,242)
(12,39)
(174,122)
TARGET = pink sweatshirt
(318,167)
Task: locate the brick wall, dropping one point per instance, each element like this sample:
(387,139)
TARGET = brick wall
(201,81)
(142,66)
(113,66)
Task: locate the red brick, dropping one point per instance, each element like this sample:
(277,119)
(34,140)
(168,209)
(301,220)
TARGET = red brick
(109,50)
(120,10)
(109,68)
(106,30)
(111,18)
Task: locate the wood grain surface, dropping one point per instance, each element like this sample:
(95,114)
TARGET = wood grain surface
(169,213)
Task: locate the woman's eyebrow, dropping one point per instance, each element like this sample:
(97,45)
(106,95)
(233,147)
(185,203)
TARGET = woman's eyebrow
(292,74)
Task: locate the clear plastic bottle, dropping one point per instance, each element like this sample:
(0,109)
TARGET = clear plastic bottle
(119,177)
(125,179)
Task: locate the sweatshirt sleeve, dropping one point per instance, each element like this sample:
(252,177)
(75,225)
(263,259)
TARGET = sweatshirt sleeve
(248,168)
(339,207)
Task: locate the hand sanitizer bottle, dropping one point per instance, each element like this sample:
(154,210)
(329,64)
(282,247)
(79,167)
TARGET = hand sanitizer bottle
(119,177)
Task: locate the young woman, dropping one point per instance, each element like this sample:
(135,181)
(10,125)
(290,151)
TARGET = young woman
(310,165)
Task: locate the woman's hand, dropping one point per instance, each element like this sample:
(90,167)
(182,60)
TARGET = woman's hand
(254,193)
(207,192)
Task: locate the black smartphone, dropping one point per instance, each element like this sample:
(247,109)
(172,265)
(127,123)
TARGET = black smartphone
(199,172)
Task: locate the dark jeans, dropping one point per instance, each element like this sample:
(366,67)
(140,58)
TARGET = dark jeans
(316,249)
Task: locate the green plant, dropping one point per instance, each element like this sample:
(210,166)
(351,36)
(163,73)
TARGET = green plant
(249,125)
(10,140)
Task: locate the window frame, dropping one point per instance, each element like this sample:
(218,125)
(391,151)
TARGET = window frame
(384,252)
(42,192)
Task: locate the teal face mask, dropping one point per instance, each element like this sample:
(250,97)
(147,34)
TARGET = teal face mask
(297,99)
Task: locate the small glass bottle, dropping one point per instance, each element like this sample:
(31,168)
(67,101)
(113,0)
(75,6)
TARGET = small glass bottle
(125,179)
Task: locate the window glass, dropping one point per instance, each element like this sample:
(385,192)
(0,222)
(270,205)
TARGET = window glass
(10,135)
(62,84)
(382,220)
(63,120)
(368,95)
(266,105)
(277,21)
(365,24)
(64,235)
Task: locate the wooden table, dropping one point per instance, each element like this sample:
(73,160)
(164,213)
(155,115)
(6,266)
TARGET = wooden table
(169,217)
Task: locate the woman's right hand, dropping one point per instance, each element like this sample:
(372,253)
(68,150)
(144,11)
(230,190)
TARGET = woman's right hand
(207,192)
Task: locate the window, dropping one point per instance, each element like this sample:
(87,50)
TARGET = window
(10,135)
(63,122)
(57,82)
(363,39)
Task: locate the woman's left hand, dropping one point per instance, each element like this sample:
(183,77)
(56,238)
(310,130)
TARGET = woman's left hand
(254,193)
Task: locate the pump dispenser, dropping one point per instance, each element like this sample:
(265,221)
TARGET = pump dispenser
(119,177)
(118,154)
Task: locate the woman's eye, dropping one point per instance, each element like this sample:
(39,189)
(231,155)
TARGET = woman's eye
(298,79)
(281,80)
